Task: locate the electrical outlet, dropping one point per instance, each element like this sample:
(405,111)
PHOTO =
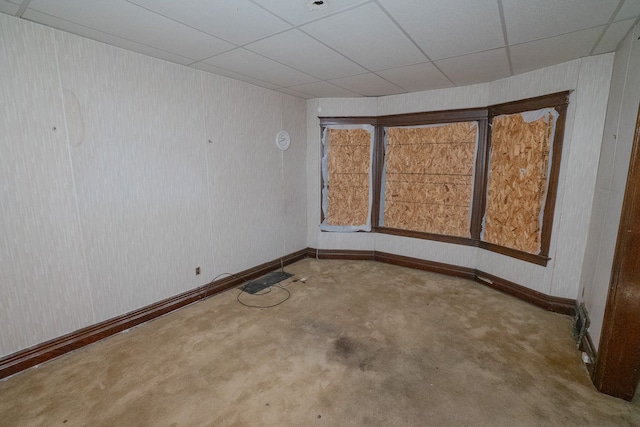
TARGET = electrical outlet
(197,270)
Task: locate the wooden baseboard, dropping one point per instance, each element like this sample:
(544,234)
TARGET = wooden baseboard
(48,350)
(420,264)
(555,304)
(43,352)
(341,254)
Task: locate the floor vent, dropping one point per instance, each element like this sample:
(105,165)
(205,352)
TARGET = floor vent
(580,324)
(265,281)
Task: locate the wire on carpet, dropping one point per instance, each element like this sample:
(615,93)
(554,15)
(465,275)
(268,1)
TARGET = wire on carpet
(267,291)
(208,285)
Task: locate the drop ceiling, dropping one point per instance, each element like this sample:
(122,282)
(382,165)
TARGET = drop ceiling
(348,48)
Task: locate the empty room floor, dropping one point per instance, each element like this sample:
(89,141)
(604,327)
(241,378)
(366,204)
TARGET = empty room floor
(358,343)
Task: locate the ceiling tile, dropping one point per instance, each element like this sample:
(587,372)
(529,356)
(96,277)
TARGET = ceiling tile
(127,21)
(630,9)
(368,85)
(367,47)
(226,73)
(8,7)
(416,78)
(298,50)
(253,65)
(238,21)
(367,36)
(476,67)
(103,37)
(297,12)
(528,20)
(289,91)
(614,35)
(446,28)
(324,90)
(553,50)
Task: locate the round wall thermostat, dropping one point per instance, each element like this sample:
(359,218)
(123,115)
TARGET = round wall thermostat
(283,140)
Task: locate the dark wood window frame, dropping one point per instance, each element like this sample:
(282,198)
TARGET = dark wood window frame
(327,122)
(483,116)
(559,102)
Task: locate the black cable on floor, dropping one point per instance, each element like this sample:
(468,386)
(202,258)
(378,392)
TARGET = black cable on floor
(242,291)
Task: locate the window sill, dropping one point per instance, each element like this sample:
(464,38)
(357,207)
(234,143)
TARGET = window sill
(467,241)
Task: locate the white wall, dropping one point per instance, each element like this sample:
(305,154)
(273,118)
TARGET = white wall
(622,110)
(588,78)
(111,194)
(329,107)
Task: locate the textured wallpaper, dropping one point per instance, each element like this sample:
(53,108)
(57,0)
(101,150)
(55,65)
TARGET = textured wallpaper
(581,166)
(137,146)
(121,173)
(253,208)
(613,166)
(40,236)
(436,100)
(588,78)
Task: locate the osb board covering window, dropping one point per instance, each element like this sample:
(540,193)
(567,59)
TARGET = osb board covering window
(347,180)
(519,161)
(429,177)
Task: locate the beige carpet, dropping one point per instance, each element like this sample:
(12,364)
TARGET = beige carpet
(359,344)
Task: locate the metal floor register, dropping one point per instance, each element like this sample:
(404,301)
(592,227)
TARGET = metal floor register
(265,281)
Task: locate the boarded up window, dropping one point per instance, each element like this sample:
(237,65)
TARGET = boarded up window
(428,178)
(519,164)
(346,173)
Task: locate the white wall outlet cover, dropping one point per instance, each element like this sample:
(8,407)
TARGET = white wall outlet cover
(283,140)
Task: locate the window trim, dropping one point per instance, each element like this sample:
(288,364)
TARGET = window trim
(417,119)
(558,101)
(338,121)
(484,117)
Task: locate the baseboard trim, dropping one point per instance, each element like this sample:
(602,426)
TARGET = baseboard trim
(555,304)
(420,264)
(341,254)
(551,303)
(27,358)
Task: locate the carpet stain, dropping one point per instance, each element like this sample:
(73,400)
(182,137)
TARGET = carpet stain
(359,344)
(344,347)
(352,354)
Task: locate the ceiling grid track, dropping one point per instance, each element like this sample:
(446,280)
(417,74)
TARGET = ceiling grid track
(348,48)
(506,37)
(23,6)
